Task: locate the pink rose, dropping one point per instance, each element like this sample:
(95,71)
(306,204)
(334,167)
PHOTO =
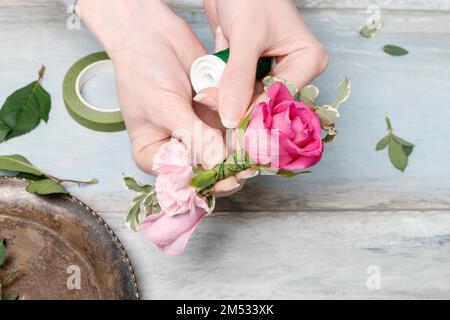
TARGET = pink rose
(283,132)
(176,197)
(171,234)
(181,208)
(171,158)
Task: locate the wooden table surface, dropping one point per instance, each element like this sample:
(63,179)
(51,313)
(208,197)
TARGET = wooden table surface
(314,236)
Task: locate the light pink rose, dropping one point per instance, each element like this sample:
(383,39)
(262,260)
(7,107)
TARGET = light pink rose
(285,130)
(171,158)
(176,197)
(181,208)
(171,234)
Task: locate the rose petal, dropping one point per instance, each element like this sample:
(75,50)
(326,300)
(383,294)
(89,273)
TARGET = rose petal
(279,93)
(171,157)
(170,233)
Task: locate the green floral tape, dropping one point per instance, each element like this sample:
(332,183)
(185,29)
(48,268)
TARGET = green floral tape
(206,71)
(84,113)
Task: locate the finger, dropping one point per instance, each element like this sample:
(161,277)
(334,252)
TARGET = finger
(221,41)
(246,174)
(238,80)
(146,142)
(211,12)
(205,144)
(227,187)
(190,48)
(208,97)
(302,66)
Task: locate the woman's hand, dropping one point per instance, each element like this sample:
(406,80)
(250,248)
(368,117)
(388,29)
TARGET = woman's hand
(255,28)
(152,50)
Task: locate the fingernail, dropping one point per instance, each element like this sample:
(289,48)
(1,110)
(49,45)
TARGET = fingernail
(252,175)
(206,100)
(229,113)
(219,30)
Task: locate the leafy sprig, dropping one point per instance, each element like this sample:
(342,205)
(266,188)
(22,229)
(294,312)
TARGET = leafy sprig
(399,149)
(4,281)
(145,202)
(41,183)
(24,109)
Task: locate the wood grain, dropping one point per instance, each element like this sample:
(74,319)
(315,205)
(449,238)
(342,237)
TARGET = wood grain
(309,237)
(301,255)
(349,4)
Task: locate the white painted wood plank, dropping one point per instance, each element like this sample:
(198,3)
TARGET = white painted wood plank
(349,4)
(322,4)
(317,255)
(413,90)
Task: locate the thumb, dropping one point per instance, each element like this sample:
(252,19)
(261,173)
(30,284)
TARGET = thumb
(238,81)
(205,144)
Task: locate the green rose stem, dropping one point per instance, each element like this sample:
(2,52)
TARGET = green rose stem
(204,180)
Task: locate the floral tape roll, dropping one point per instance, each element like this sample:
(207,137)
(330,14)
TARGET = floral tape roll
(206,71)
(84,113)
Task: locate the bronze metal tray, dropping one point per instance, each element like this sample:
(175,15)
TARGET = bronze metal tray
(63,249)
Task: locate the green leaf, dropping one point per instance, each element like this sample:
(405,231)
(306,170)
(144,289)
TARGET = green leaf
(395,50)
(132,218)
(18,163)
(329,138)
(131,184)
(46,187)
(31,177)
(309,95)
(344,92)
(328,115)
(244,123)
(25,108)
(383,143)
(4,130)
(408,150)
(397,155)
(270,80)
(204,179)
(290,174)
(150,204)
(211,202)
(10,297)
(403,142)
(2,251)
(149,199)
